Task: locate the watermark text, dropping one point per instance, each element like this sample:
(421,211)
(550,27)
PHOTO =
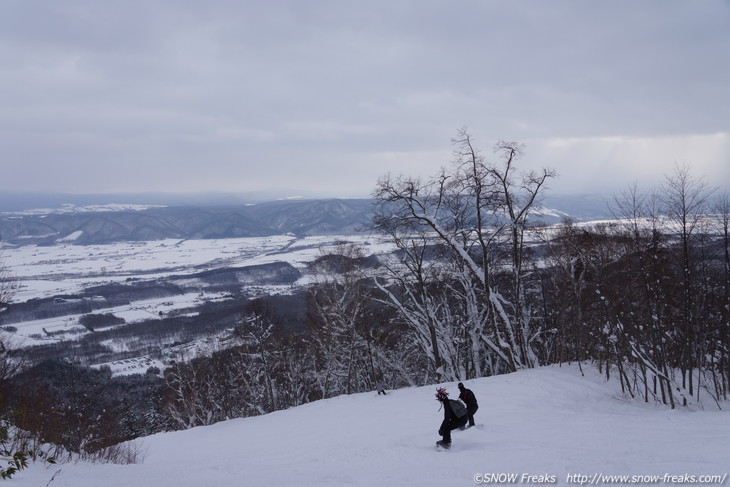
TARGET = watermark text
(598,478)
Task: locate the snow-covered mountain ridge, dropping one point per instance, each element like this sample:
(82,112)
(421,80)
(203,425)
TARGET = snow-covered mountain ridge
(99,224)
(128,224)
(548,425)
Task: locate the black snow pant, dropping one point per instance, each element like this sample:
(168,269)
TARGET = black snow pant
(470,410)
(449,425)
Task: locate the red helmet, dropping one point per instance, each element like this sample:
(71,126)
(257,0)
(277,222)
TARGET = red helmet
(441,394)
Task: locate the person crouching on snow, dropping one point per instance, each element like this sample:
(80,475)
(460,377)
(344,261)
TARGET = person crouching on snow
(454,417)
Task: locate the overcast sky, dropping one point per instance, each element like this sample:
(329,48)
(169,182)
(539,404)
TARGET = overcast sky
(326,96)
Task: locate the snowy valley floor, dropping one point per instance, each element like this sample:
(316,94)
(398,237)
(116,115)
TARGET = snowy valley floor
(549,422)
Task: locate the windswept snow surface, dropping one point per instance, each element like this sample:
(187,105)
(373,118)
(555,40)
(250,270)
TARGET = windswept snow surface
(548,422)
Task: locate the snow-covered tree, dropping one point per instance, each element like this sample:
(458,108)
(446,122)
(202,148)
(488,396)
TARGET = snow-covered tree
(685,203)
(474,216)
(349,339)
(646,296)
(8,284)
(721,210)
(11,460)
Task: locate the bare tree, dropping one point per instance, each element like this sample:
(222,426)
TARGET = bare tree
(517,196)
(10,358)
(258,329)
(721,210)
(8,284)
(685,203)
(348,338)
(637,215)
(186,407)
(473,215)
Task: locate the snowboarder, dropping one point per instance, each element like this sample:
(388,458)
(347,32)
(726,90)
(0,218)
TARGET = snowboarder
(454,417)
(470,400)
(380,387)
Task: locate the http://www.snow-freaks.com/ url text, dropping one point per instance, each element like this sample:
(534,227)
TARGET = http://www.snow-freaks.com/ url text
(598,479)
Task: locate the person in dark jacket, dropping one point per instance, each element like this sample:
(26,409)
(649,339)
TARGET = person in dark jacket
(470,400)
(451,420)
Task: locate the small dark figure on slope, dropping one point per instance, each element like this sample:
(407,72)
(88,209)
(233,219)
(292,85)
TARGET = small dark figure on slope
(470,400)
(454,417)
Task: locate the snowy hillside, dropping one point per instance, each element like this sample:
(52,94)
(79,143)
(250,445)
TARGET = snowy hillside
(549,422)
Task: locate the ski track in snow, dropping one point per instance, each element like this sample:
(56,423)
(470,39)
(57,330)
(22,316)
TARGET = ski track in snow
(545,421)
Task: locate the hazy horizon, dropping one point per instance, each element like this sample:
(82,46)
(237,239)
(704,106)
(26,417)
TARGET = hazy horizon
(19,201)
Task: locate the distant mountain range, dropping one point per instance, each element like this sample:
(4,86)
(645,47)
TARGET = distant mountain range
(132,222)
(312,217)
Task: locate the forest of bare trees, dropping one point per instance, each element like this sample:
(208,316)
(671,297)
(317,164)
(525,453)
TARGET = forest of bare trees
(485,289)
(477,287)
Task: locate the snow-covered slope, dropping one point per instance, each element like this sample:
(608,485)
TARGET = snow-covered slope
(549,422)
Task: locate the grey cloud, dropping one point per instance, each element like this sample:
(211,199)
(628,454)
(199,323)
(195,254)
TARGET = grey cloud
(225,94)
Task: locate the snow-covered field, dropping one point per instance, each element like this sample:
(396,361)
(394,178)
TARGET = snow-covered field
(133,312)
(66,269)
(548,425)
(44,271)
